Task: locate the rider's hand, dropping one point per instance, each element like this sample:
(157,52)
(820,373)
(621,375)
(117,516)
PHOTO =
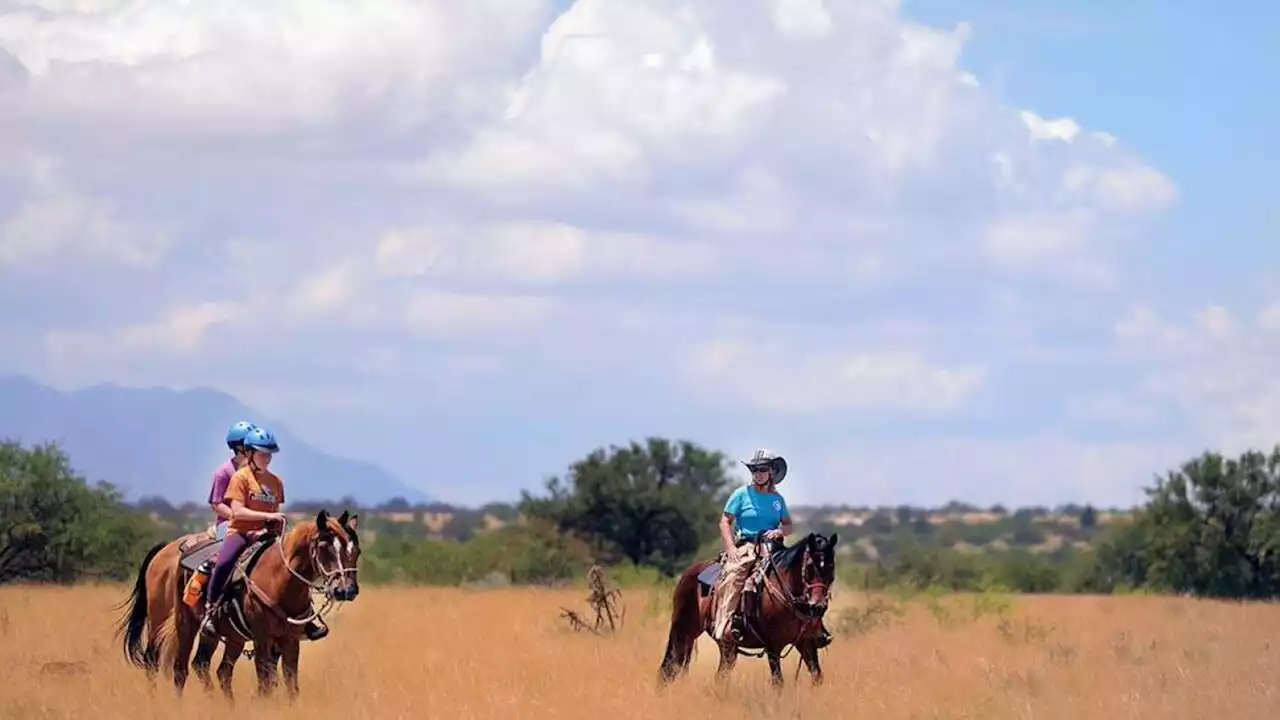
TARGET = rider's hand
(276,518)
(774,535)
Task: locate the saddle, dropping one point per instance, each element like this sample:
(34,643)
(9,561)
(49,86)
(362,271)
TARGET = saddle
(709,575)
(198,548)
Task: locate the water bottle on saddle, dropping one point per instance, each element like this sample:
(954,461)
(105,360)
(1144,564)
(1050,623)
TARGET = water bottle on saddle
(194,592)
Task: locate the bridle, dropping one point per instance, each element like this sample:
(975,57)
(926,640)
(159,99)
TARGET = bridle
(330,577)
(801,606)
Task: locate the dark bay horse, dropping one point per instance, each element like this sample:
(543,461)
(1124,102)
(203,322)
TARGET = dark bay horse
(793,600)
(267,600)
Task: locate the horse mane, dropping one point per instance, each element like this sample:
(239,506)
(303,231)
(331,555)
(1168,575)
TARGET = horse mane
(790,556)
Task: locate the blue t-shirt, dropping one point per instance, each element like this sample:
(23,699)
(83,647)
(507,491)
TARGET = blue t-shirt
(755,512)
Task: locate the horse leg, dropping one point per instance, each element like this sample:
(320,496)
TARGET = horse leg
(186,638)
(728,658)
(289,650)
(231,650)
(264,661)
(204,659)
(775,669)
(809,653)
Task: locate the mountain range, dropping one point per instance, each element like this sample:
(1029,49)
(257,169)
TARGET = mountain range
(158,442)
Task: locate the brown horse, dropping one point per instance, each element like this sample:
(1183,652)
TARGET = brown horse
(792,602)
(267,601)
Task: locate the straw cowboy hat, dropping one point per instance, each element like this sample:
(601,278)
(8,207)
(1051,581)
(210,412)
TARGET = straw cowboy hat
(770,459)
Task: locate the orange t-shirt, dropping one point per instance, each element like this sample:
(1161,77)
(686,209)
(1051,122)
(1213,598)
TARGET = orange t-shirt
(262,491)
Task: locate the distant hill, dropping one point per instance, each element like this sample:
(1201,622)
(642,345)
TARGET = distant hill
(164,443)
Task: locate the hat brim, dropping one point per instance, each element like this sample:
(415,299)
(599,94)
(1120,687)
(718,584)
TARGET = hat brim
(778,465)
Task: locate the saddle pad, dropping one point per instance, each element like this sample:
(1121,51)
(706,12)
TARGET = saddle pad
(709,575)
(193,556)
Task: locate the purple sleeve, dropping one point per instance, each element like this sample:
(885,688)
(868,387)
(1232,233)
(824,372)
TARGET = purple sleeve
(221,478)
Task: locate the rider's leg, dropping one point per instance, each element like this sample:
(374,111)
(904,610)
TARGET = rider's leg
(729,595)
(231,548)
(752,581)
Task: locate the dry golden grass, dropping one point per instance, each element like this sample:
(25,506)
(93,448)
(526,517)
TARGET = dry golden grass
(443,653)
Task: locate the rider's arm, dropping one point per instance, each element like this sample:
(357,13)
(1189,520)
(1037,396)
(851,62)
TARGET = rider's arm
(726,532)
(787,526)
(732,508)
(217,493)
(239,510)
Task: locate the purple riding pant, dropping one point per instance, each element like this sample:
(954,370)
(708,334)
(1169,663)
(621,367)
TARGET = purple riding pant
(227,554)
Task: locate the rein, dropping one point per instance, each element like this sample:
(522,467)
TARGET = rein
(325,586)
(800,607)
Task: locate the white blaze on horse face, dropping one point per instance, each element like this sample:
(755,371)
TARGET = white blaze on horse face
(337,554)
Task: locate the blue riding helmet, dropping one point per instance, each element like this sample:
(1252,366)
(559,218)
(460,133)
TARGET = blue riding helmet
(262,440)
(237,433)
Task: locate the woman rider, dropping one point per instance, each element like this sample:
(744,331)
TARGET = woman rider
(753,514)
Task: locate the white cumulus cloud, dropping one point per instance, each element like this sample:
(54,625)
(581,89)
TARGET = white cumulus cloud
(679,206)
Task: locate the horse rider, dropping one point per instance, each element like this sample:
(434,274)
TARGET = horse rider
(222,476)
(254,495)
(754,515)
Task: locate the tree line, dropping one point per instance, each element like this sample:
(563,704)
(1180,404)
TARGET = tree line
(1207,528)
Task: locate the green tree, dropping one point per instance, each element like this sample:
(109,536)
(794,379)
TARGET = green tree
(1211,528)
(1119,562)
(54,527)
(653,503)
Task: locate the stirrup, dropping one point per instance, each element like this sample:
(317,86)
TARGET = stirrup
(208,622)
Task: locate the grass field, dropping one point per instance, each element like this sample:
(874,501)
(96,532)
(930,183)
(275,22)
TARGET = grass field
(444,653)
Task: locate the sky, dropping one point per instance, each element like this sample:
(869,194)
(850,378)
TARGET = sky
(925,250)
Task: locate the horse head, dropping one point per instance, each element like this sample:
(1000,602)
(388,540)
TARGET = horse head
(332,550)
(809,568)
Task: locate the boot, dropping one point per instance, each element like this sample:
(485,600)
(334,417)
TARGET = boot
(316,629)
(737,627)
(207,626)
(824,637)
(750,603)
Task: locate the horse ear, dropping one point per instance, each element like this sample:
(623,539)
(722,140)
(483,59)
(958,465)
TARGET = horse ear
(355,520)
(342,519)
(322,522)
(834,538)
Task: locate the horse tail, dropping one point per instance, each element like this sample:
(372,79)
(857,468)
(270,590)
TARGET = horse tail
(134,621)
(686,626)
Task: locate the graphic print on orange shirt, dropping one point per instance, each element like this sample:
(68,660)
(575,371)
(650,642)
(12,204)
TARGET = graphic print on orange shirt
(262,491)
